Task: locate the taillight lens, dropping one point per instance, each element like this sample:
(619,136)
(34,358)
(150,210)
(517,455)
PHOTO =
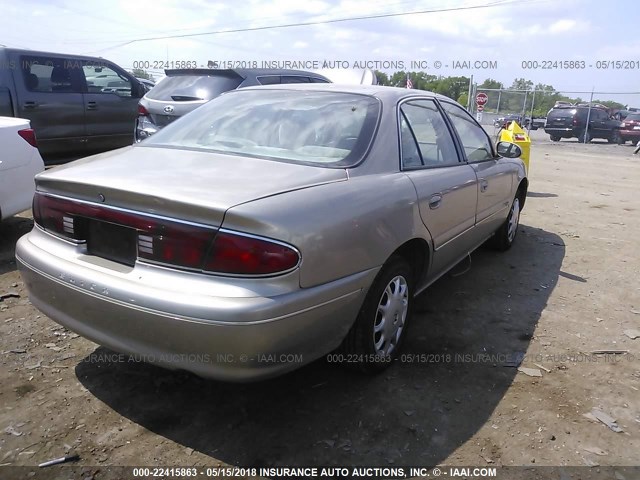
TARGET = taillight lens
(142,111)
(29,135)
(234,253)
(168,242)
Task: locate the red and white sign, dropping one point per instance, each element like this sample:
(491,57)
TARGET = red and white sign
(481,99)
(480,108)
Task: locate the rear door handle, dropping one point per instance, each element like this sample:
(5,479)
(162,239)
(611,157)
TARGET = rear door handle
(29,105)
(435,201)
(484,185)
(92,106)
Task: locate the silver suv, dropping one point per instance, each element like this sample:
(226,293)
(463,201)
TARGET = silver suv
(185,90)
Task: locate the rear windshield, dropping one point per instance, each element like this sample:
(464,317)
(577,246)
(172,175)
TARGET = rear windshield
(296,126)
(633,116)
(193,87)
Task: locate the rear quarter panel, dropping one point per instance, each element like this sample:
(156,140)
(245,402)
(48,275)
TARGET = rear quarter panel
(339,228)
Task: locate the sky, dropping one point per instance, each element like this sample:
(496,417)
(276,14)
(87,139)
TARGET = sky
(499,39)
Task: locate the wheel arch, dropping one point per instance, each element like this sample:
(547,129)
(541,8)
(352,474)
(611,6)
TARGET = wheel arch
(417,254)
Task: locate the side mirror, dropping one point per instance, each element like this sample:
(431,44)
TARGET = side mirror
(508,150)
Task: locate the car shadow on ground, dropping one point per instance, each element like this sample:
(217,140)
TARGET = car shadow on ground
(11,230)
(455,368)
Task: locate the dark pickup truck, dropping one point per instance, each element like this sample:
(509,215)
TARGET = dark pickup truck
(77,105)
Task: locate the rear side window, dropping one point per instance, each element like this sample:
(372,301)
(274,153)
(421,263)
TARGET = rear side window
(51,75)
(294,79)
(269,80)
(193,87)
(318,80)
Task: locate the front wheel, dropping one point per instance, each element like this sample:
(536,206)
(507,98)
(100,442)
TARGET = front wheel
(506,234)
(555,138)
(377,334)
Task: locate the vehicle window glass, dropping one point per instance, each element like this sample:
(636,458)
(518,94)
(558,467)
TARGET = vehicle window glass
(102,79)
(294,79)
(475,141)
(562,113)
(634,116)
(318,80)
(409,145)
(318,128)
(269,80)
(51,75)
(193,87)
(430,130)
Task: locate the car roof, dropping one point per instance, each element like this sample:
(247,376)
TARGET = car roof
(379,91)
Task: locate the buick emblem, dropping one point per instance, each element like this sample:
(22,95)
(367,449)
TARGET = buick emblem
(168,109)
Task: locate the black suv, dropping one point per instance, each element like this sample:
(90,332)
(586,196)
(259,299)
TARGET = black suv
(182,91)
(569,121)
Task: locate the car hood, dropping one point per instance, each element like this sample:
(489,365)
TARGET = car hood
(192,185)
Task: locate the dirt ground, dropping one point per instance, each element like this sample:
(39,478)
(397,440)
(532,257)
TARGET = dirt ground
(568,288)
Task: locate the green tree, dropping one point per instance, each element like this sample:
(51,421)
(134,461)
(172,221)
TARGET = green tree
(383,78)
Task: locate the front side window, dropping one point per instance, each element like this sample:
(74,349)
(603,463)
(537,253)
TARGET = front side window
(319,128)
(433,138)
(49,75)
(475,141)
(102,79)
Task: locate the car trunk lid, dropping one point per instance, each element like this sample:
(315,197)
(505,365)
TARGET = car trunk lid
(188,185)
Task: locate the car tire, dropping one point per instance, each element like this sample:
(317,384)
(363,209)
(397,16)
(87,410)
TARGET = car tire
(581,137)
(381,326)
(615,138)
(505,235)
(555,138)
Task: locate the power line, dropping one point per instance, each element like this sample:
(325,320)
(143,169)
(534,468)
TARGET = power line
(317,22)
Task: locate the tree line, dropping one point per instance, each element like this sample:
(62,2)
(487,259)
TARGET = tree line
(457,89)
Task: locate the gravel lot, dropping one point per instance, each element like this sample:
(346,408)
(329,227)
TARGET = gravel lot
(568,288)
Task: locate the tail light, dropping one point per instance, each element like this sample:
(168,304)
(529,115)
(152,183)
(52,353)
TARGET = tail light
(29,135)
(142,111)
(169,242)
(234,253)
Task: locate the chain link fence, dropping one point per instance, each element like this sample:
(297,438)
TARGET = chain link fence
(530,107)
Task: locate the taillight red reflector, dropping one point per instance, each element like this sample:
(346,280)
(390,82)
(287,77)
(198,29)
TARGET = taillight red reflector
(245,255)
(159,240)
(142,110)
(29,135)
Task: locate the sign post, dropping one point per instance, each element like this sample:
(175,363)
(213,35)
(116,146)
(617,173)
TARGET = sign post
(481,100)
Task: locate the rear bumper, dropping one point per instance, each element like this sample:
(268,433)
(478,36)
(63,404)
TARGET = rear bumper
(215,334)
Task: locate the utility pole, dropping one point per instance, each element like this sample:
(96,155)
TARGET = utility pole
(469,94)
(586,127)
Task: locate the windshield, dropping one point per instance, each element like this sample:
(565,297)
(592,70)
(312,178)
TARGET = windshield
(300,126)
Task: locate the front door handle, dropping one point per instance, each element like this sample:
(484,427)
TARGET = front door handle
(29,105)
(484,185)
(435,201)
(92,106)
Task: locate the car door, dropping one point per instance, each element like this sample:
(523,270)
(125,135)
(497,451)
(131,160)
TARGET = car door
(111,105)
(50,96)
(494,174)
(446,187)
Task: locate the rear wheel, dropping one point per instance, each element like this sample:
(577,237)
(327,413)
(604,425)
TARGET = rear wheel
(377,334)
(555,138)
(615,138)
(584,137)
(506,234)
